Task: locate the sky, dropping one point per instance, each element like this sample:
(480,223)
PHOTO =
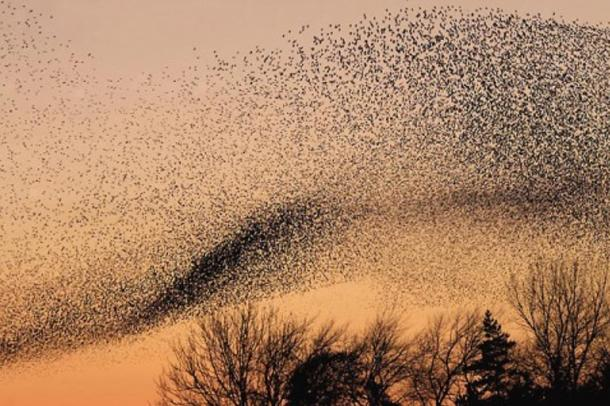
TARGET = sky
(135,35)
(130,38)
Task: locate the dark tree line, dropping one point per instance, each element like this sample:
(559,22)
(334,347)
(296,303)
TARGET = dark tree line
(254,356)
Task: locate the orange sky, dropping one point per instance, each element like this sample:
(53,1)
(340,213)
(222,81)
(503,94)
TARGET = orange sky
(124,374)
(128,37)
(132,36)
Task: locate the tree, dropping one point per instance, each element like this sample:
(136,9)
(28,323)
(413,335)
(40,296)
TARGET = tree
(523,385)
(445,350)
(250,356)
(597,388)
(327,378)
(493,376)
(370,369)
(564,307)
(237,358)
(385,357)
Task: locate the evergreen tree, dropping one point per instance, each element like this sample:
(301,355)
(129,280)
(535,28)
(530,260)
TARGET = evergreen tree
(492,373)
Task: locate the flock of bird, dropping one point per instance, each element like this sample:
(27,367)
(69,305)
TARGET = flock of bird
(433,150)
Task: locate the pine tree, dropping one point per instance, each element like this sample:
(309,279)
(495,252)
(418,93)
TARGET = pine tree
(492,369)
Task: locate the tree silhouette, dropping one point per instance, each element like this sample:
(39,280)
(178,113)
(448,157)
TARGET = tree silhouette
(327,378)
(445,349)
(250,356)
(492,374)
(237,358)
(371,369)
(597,389)
(564,307)
(386,360)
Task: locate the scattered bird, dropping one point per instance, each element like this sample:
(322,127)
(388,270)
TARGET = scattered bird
(416,147)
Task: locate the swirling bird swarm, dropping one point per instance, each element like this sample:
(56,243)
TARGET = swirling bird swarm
(431,150)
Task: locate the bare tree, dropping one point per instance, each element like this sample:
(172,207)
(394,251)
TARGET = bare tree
(368,369)
(385,356)
(564,307)
(236,358)
(444,351)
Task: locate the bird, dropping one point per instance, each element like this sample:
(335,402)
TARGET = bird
(428,149)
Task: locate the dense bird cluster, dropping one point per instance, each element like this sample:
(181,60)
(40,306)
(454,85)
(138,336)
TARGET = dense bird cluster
(429,149)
